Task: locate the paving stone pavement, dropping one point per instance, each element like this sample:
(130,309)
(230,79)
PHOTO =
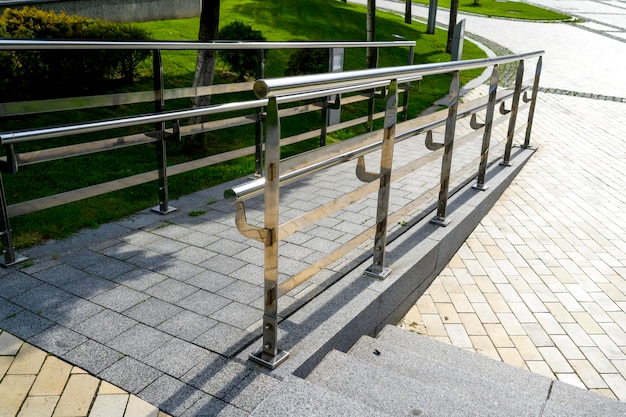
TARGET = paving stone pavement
(122,302)
(541,283)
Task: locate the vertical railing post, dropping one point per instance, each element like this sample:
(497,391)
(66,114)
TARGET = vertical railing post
(371,105)
(9,257)
(161,145)
(448,145)
(332,113)
(484,152)
(533,102)
(269,355)
(506,160)
(378,269)
(406,88)
(258,127)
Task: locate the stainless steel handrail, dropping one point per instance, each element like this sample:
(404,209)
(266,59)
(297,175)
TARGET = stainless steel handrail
(285,89)
(291,85)
(18,44)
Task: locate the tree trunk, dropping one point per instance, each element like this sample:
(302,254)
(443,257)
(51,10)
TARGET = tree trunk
(205,62)
(205,69)
(370,27)
(408,12)
(454,8)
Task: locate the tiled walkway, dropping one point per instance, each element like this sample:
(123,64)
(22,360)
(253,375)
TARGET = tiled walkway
(36,384)
(540,283)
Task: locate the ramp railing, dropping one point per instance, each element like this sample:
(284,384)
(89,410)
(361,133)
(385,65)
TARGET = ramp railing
(168,126)
(279,172)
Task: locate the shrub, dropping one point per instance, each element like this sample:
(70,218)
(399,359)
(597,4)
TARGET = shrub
(242,62)
(307,61)
(53,73)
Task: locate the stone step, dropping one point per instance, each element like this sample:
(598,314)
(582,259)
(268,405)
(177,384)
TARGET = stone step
(560,400)
(297,397)
(392,393)
(511,391)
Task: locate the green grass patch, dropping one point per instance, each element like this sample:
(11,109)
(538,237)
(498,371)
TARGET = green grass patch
(279,20)
(508,9)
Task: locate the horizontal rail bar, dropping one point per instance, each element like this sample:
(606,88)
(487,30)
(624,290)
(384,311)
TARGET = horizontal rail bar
(13,44)
(8,138)
(300,84)
(20,108)
(299,166)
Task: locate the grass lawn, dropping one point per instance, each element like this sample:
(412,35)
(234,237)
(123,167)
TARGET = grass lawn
(278,20)
(508,9)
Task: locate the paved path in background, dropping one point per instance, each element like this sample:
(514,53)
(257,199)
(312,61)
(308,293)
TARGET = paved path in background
(539,284)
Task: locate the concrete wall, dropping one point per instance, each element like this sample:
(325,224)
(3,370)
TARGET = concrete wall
(116,10)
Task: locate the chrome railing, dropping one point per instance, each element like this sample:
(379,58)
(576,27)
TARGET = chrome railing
(281,172)
(255,114)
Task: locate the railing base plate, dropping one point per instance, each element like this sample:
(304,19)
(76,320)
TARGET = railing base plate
(267,360)
(18,259)
(157,209)
(439,221)
(375,272)
(481,187)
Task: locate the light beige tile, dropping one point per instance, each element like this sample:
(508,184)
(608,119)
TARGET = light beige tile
(617,383)
(485,313)
(589,325)
(52,378)
(541,368)
(28,360)
(461,303)
(572,379)
(434,325)
(472,324)
(560,313)
(511,324)
(5,363)
(458,336)
(588,374)
(555,360)
(40,406)
(498,335)
(13,391)
(549,323)
(567,347)
(526,348)
(426,305)
(110,405)
(77,396)
(497,302)
(604,391)
(139,408)
(107,388)
(447,313)
(512,357)
(484,346)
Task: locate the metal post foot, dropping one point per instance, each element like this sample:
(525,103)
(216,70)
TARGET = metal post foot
(439,221)
(269,361)
(18,259)
(481,187)
(157,209)
(377,272)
